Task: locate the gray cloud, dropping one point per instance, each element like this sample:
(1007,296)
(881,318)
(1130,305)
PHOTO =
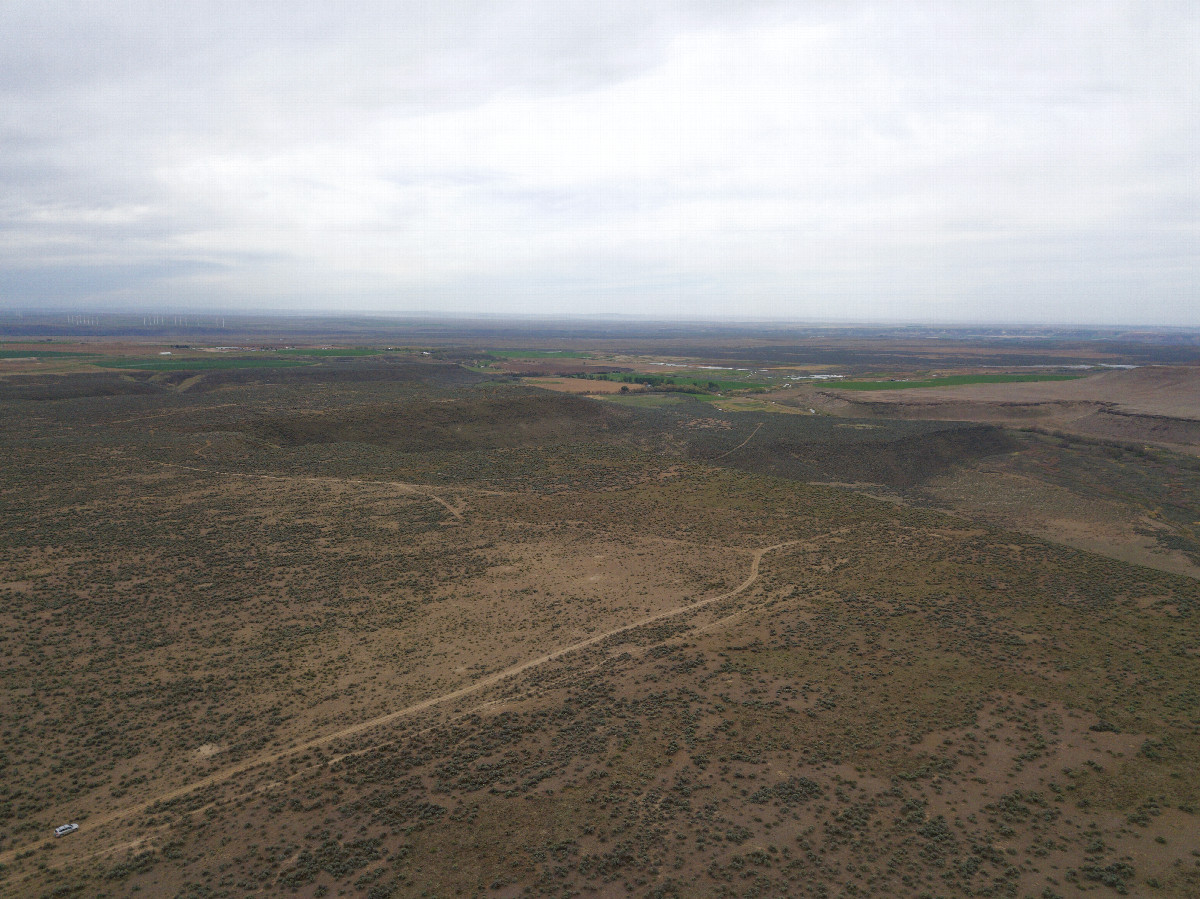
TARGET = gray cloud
(922,160)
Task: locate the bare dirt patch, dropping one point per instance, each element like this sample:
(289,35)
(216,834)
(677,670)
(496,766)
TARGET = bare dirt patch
(1028,504)
(1155,404)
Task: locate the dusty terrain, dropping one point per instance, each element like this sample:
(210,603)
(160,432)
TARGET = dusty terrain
(392,627)
(1154,404)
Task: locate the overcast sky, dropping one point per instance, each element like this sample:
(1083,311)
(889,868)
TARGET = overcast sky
(843,160)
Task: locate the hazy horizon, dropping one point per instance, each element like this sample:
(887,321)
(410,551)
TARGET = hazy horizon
(926,163)
(15,324)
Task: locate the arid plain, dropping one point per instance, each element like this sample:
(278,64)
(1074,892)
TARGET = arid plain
(636,616)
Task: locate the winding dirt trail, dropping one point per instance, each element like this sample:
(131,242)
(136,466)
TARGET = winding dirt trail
(150,415)
(98,821)
(740,445)
(415,489)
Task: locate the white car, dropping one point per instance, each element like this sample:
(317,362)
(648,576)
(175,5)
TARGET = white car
(63,829)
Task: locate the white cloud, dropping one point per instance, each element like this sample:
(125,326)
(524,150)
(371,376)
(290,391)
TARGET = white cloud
(968,160)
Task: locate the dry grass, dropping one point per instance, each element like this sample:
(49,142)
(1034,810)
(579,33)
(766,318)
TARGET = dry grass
(208,636)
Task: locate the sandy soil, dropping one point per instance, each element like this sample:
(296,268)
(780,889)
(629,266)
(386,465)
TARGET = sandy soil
(1173,391)
(1153,404)
(1045,510)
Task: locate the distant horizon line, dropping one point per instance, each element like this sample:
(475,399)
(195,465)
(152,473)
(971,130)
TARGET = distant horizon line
(646,318)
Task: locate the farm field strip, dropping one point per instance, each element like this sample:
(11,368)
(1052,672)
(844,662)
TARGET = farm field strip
(200,364)
(946,381)
(47,354)
(680,380)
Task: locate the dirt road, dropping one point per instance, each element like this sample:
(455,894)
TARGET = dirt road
(740,445)
(415,489)
(95,823)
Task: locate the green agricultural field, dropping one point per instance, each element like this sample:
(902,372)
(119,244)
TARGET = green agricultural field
(947,381)
(714,384)
(43,354)
(202,364)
